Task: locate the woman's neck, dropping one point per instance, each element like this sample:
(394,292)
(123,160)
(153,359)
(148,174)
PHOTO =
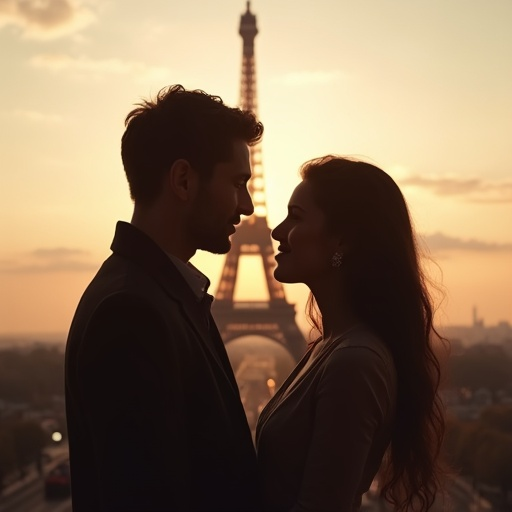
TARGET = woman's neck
(337,314)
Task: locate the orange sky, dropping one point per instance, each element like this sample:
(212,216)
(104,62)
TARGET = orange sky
(420,89)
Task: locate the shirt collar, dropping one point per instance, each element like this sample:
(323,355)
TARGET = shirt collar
(197,281)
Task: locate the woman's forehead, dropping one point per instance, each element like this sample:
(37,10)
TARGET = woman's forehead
(302,194)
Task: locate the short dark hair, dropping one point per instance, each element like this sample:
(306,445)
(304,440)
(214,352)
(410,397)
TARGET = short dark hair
(180,123)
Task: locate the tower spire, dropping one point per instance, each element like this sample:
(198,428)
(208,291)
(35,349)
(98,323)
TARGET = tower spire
(273,318)
(248,101)
(248,30)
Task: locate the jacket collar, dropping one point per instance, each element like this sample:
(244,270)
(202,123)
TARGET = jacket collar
(133,244)
(194,277)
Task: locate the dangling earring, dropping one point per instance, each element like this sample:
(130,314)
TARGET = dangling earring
(336,259)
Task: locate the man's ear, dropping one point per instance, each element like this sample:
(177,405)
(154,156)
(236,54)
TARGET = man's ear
(182,179)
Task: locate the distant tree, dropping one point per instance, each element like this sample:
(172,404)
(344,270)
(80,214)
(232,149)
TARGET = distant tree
(21,444)
(14,378)
(8,459)
(473,436)
(482,450)
(498,417)
(459,436)
(32,376)
(481,366)
(45,365)
(29,440)
(493,461)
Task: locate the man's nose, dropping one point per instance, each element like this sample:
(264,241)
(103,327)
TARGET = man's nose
(245,205)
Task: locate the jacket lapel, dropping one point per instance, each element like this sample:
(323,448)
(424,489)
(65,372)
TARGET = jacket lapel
(133,244)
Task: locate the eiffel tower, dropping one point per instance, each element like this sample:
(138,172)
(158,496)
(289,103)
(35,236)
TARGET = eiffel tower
(274,318)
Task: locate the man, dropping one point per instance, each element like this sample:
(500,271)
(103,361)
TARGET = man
(155,420)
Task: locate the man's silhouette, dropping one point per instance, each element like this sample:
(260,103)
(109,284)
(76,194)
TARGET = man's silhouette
(154,415)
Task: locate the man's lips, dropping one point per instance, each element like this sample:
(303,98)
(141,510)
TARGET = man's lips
(233,223)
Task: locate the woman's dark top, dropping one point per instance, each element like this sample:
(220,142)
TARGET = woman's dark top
(321,438)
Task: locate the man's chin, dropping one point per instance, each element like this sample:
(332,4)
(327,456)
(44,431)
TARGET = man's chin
(216,246)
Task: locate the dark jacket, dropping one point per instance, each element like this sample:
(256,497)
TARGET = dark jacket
(155,421)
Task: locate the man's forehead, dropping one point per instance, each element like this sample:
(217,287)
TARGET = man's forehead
(240,161)
(237,167)
(240,149)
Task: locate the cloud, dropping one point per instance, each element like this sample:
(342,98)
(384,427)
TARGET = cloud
(100,67)
(473,190)
(35,116)
(59,259)
(309,77)
(441,242)
(65,259)
(45,19)
(57,253)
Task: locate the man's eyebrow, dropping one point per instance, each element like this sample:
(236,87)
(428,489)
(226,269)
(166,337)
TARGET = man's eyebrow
(292,207)
(243,176)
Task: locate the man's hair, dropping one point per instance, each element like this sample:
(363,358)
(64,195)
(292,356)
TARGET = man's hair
(180,124)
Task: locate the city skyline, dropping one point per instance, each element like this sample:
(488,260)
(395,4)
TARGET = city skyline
(422,91)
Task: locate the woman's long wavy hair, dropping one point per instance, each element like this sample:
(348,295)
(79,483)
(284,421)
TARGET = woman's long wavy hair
(387,289)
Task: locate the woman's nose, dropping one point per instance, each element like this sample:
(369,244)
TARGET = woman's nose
(276,233)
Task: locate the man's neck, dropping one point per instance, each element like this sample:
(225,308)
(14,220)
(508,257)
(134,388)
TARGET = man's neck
(167,235)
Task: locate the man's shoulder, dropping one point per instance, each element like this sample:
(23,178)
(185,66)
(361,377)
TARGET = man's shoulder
(120,285)
(127,305)
(122,277)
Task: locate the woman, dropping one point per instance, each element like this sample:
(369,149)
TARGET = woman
(365,395)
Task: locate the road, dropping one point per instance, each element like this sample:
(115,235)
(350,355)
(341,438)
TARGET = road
(28,495)
(30,498)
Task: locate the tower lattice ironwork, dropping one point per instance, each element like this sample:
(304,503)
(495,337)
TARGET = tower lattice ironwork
(275,317)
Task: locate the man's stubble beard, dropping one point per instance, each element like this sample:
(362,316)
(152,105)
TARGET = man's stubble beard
(214,245)
(206,235)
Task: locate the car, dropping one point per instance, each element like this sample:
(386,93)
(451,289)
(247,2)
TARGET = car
(57,483)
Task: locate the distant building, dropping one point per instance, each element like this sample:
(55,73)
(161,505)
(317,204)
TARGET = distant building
(478,332)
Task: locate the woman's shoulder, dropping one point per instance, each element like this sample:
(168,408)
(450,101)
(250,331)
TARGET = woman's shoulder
(362,360)
(361,344)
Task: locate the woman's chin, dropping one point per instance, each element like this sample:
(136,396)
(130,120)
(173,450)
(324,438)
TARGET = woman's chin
(282,276)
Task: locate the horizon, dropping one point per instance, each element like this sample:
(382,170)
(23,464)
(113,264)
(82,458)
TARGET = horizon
(60,337)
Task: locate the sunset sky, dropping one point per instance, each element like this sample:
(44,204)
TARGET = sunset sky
(421,89)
